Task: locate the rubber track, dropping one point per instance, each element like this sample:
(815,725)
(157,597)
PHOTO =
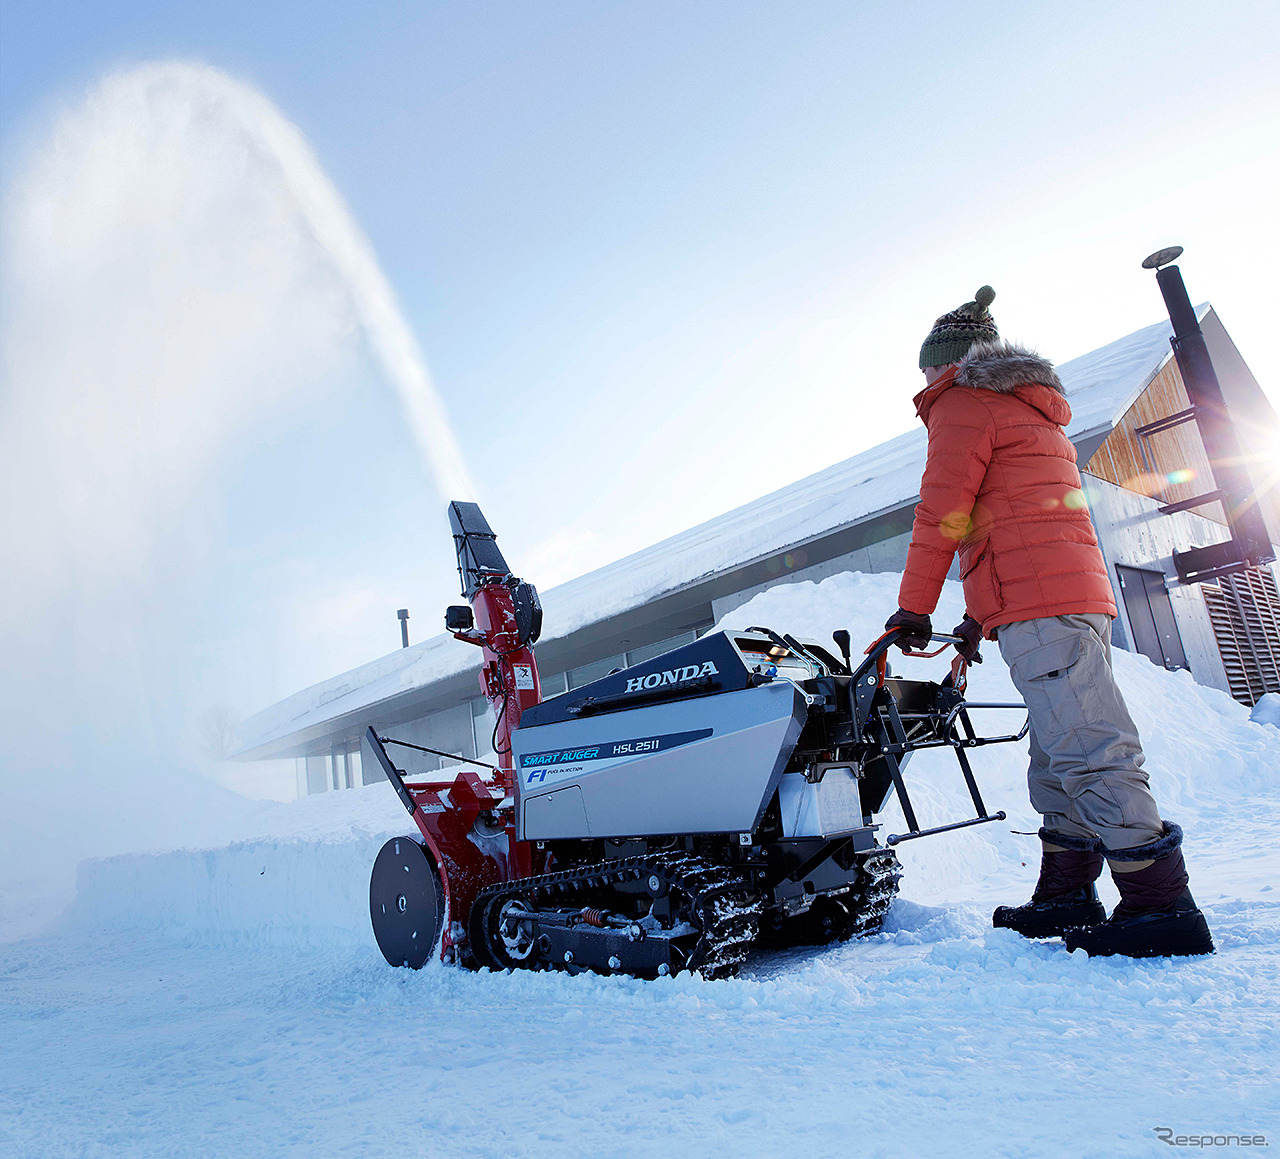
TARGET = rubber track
(867,901)
(728,911)
(871,898)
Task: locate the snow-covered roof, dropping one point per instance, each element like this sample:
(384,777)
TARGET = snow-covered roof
(1101,386)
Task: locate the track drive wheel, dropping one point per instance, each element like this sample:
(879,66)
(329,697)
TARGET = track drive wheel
(856,913)
(406,902)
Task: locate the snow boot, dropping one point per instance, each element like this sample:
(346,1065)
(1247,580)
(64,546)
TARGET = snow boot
(1157,917)
(1065,895)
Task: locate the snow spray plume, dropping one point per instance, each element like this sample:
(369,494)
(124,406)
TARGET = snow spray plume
(181,283)
(343,242)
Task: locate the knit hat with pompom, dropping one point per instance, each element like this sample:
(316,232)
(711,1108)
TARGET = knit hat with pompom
(954,333)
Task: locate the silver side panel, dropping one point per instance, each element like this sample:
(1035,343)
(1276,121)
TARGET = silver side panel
(830,808)
(706,765)
(561,811)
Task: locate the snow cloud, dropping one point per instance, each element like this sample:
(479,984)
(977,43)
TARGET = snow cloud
(182,286)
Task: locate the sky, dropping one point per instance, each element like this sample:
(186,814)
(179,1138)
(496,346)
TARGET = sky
(661,258)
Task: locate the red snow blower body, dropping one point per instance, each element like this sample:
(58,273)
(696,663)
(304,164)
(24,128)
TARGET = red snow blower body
(669,816)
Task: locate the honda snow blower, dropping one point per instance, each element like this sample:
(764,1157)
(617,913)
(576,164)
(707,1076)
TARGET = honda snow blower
(669,816)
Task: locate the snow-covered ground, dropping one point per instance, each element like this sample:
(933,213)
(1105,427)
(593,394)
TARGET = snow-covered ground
(231,1000)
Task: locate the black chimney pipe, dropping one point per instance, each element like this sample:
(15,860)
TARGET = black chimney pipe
(403,616)
(1250,542)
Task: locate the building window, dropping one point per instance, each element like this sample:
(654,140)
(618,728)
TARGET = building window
(589,672)
(318,773)
(370,771)
(577,677)
(649,651)
(339,768)
(1245,611)
(481,726)
(553,685)
(349,755)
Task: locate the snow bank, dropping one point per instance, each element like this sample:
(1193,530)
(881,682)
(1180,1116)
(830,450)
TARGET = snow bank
(1267,710)
(299,872)
(272,892)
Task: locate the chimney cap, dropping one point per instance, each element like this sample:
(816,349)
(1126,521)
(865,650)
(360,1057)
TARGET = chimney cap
(402,614)
(1162,257)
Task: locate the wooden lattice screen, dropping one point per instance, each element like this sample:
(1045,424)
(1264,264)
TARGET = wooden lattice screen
(1245,610)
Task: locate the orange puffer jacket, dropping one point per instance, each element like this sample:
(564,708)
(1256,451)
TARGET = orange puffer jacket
(1001,486)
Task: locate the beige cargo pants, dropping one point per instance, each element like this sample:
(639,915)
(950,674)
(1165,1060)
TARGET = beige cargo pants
(1086,774)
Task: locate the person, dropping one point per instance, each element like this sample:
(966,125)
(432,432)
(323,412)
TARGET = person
(1001,487)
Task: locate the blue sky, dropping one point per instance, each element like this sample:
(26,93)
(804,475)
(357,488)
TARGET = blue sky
(663,258)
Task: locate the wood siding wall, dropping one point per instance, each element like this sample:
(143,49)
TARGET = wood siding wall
(1119,459)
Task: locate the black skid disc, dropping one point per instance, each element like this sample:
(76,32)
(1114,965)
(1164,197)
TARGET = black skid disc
(406,902)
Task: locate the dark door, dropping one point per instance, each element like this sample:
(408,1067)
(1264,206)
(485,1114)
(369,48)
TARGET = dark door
(1155,631)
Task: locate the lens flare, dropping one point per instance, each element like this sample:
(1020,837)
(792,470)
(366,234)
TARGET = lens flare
(1153,485)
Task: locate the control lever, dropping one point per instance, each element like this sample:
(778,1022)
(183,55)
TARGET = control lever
(842,639)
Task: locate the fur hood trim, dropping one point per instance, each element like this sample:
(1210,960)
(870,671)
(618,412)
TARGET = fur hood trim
(1003,367)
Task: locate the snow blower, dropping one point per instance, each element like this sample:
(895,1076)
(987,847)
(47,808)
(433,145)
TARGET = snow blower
(669,816)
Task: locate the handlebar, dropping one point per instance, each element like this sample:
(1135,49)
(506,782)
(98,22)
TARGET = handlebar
(878,647)
(883,643)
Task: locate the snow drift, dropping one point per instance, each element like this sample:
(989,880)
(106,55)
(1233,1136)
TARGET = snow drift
(297,875)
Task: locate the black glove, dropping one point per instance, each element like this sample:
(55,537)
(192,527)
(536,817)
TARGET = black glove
(971,630)
(916,631)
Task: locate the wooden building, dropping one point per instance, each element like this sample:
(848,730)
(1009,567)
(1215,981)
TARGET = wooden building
(1148,453)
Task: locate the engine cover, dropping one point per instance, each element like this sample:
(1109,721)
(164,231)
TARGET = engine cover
(709,764)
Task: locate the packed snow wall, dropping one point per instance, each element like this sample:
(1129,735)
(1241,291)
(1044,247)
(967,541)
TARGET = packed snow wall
(267,891)
(301,874)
